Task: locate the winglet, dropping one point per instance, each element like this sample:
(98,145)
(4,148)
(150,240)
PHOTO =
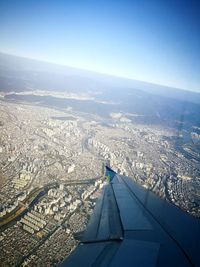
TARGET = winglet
(110,173)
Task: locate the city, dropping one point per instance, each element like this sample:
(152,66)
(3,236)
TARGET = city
(99,133)
(52,172)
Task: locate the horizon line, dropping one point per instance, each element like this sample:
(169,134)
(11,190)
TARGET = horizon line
(99,72)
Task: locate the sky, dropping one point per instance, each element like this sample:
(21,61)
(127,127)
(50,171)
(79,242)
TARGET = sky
(147,40)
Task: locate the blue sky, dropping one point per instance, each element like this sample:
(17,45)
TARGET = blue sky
(155,41)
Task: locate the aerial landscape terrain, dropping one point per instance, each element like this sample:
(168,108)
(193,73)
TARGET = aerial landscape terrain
(99,133)
(59,127)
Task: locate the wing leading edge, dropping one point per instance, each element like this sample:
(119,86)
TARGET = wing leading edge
(131,226)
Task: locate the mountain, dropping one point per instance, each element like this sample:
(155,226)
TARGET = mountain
(94,93)
(22,74)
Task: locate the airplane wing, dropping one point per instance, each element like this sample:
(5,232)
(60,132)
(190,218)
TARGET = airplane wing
(131,226)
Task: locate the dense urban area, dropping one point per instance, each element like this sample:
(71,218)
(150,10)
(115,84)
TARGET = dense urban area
(52,172)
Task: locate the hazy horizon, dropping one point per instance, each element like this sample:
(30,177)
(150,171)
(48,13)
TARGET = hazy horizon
(100,73)
(99,122)
(154,42)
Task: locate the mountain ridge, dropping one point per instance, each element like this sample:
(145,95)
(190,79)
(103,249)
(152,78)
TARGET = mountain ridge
(24,74)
